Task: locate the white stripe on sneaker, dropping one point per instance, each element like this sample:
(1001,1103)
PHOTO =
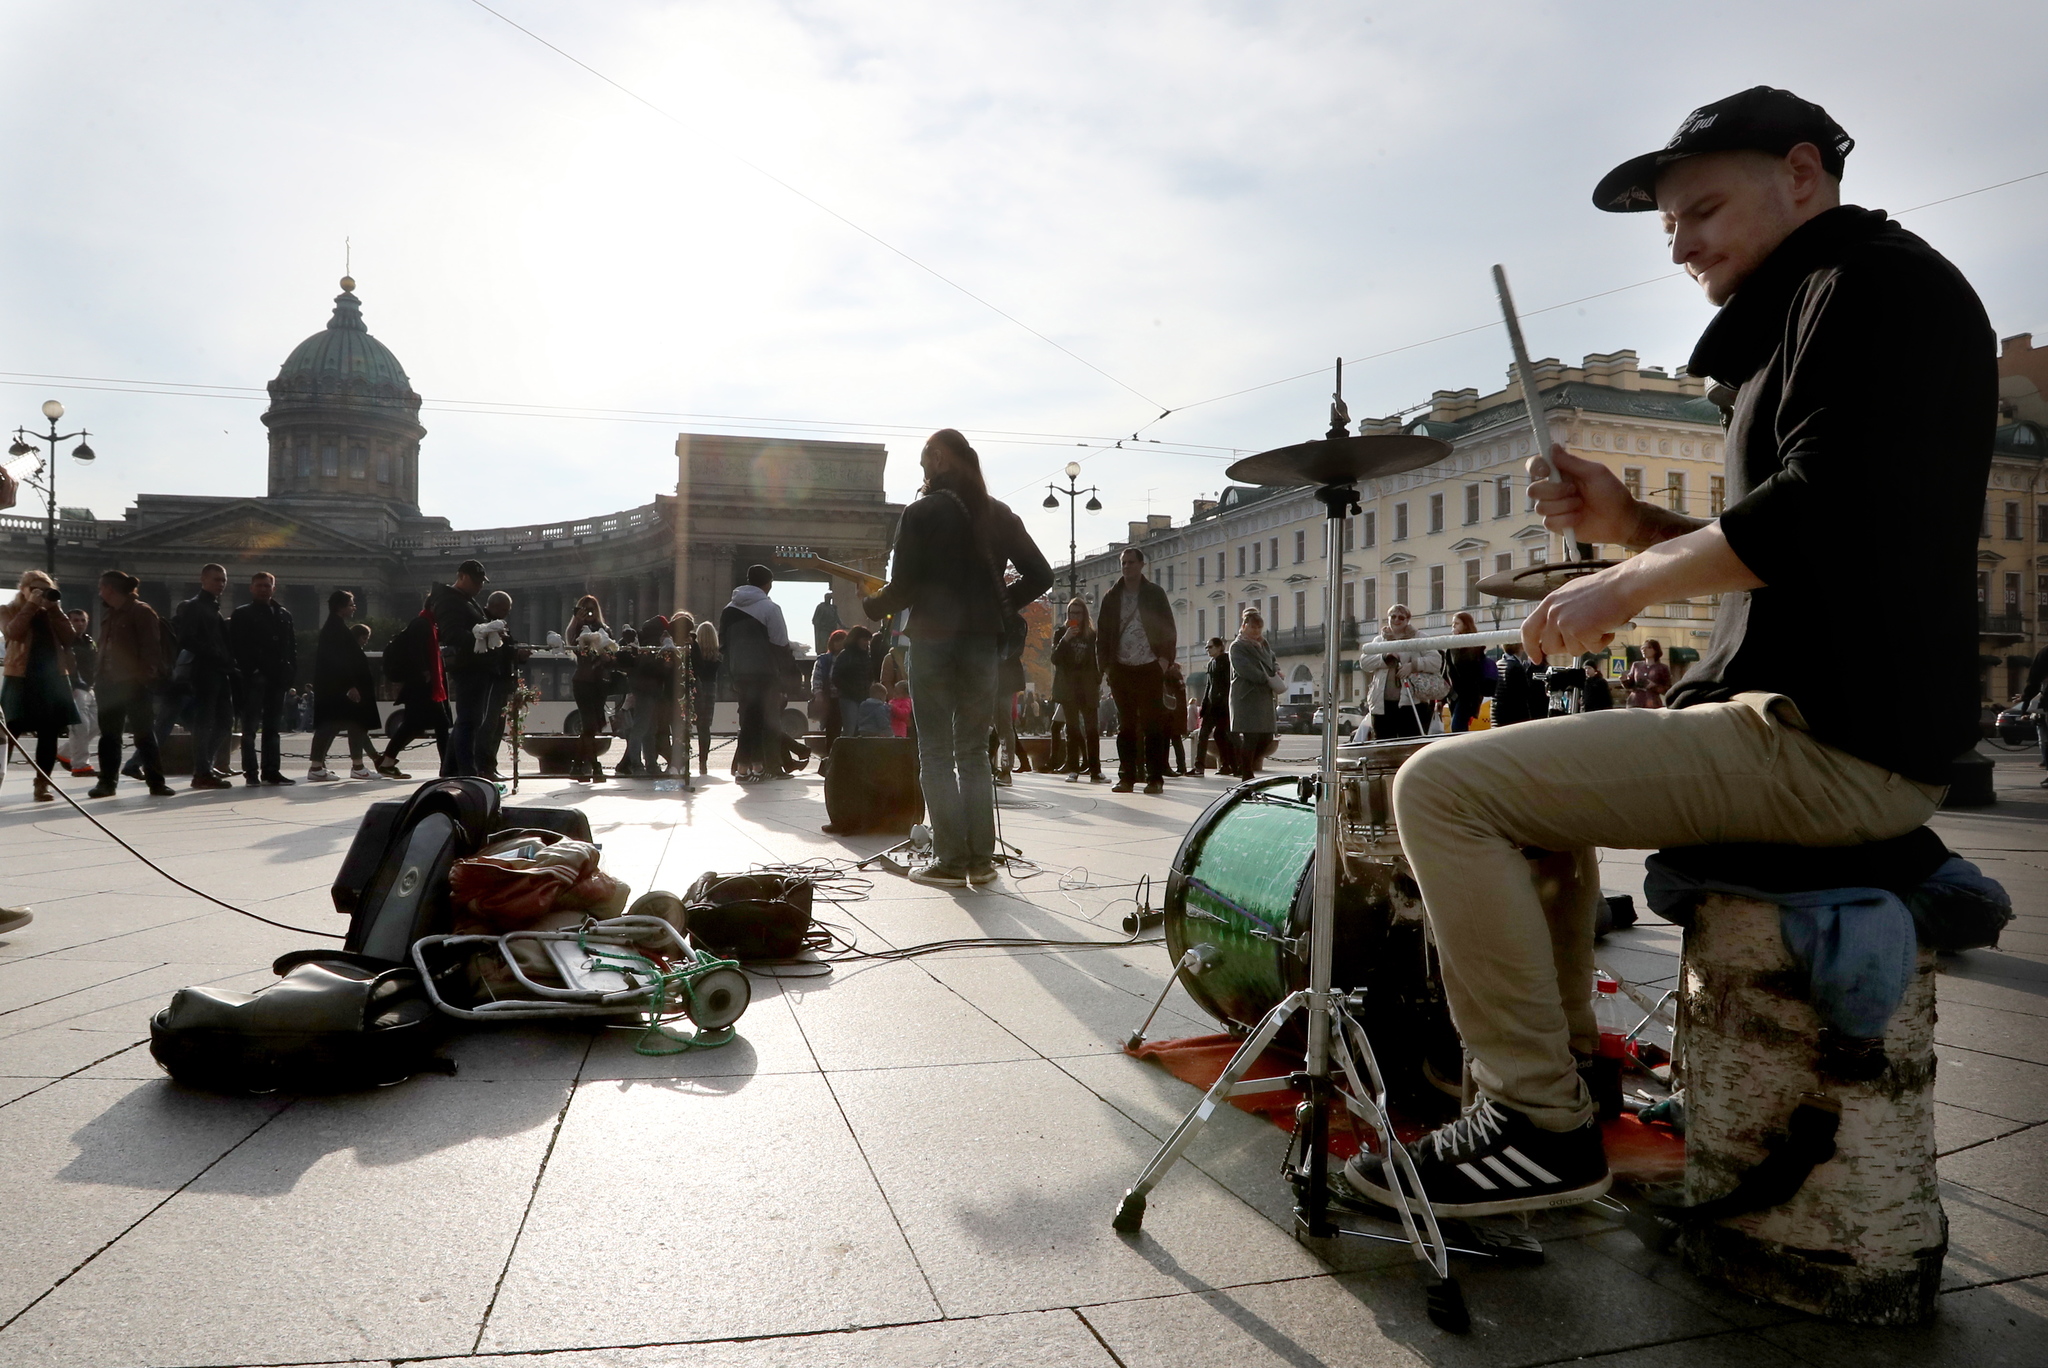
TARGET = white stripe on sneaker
(1536,1170)
(1514,1179)
(1480,1180)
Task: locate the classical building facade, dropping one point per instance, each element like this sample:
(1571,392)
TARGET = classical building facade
(1426,539)
(342,512)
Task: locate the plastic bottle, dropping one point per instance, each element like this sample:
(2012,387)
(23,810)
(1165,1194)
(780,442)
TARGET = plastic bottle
(1610,1011)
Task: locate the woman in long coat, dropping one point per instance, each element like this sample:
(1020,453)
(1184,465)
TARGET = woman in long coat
(36,695)
(344,693)
(1076,684)
(1255,686)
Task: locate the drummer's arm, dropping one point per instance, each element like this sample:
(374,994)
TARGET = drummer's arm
(1584,614)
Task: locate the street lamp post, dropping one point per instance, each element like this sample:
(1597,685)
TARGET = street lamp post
(1094,505)
(52,410)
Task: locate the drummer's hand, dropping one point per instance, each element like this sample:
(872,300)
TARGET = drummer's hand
(1578,616)
(1583,498)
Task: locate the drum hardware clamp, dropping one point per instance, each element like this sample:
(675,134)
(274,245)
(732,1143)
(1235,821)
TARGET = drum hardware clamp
(1331,467)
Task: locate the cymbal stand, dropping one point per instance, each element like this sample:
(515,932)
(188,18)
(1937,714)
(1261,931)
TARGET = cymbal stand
(1364,1093)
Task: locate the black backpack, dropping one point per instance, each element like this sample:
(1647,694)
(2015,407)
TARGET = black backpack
(333,1022)
(751,916)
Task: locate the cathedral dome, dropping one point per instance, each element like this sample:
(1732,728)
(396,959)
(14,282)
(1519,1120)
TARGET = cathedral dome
(343,417)
(343,355)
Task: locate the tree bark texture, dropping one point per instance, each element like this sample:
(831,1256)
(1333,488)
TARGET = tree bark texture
(1864,1237)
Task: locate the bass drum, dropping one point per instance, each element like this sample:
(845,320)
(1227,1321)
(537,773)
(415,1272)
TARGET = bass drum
(1243,882)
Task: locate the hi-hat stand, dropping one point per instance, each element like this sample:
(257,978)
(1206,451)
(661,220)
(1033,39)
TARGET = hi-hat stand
(1335,1038)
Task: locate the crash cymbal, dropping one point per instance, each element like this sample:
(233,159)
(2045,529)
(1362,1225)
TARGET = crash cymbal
(1339,460)
(1537,581)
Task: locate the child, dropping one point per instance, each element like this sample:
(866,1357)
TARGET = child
(899,709)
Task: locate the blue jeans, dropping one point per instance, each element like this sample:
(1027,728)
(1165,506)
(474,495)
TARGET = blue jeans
(470,692)
(953,695)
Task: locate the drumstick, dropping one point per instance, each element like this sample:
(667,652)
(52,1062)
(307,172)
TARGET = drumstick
(1540,468)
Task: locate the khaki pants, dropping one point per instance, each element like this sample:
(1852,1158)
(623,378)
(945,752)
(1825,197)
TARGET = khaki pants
(1516,936)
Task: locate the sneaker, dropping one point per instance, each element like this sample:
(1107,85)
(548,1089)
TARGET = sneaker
(359,772)
(162,791)
(84,772)
(1003,779)
(1121,786)
(210,781)
(278,781)
(251,781)
(323,775)
(982,874)
(390,771)
(938,876)
(1155,787)
(1074,778)
(14,918)
(103,789)
(1494,1160)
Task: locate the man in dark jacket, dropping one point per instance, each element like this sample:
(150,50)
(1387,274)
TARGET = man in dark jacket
(208,664)
(952,548)
(1135,640)
(465,664)
(1825,310)
(266,659)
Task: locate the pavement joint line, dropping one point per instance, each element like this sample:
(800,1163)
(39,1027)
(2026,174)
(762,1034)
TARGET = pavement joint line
(881,1190)
(73,1074)
(121,1234)
(52,1025)
(86,988)
(1114,1356)
(768,1336)
(540,1173)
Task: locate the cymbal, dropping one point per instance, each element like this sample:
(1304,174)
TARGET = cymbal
(1339,460)
(1537,581)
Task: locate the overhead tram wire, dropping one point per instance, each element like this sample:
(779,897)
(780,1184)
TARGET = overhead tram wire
(824,208)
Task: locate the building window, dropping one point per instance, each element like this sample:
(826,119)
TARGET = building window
(1300,609)
(1436,588)
(1202,625)
(1503,497)
(383,467)
(1539,555)
(2041,597)
(1300,547)
(1471,504)
(1273,553)
(1503,562)
(1401,588)
(2012,522)
(1717,495)
(1983,592)
(2012,597)
(305,450)
(359,463)
(1349,529)
(330,459)
(1370,525)
(1169,579)
(1400,522)
(1201,571)
(1472,583)
(1436,512)
(1255,558)
(1674,491)
(1240,562)
(1632,481)
(1273,612)
(1350,602)
(1219,567)
(1372,599)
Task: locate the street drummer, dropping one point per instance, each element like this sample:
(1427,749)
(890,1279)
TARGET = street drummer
(1864,396)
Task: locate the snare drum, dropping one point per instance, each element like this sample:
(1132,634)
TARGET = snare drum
(1243,884)
(1365,796)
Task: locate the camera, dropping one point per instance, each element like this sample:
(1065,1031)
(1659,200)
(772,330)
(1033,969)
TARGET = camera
(52,596)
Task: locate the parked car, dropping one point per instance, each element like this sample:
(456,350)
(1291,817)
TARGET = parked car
(2016,728)
(1294,717)
(1349,719)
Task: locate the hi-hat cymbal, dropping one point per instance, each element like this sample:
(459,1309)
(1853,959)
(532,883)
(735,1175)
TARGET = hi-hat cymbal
(1339,460)
(1537,581)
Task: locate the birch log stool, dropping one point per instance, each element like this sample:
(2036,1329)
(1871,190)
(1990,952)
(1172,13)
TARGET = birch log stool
(1863,1238)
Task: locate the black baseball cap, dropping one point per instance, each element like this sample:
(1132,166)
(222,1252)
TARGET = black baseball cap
(1760,119)
(474,569)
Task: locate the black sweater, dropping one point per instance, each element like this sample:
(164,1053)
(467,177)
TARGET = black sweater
(947,576)
(1858,451)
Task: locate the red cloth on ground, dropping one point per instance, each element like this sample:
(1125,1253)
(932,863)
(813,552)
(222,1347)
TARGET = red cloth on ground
(1635,1152)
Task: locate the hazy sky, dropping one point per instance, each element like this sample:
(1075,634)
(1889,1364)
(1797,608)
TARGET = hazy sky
(1194,198)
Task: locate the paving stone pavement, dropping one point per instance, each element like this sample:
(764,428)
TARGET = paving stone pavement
(904,1162)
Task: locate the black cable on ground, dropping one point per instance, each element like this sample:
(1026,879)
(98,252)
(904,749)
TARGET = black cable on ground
(15,741)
